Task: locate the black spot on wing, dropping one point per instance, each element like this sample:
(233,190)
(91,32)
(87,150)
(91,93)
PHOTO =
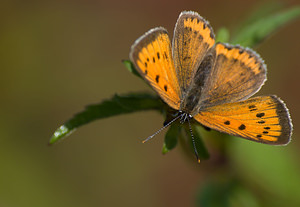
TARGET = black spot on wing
(227,122)
(166,88)
(259,115)
(242,127)
(186,58)
(165,55)
(252,108)
(158,56)
(157,78)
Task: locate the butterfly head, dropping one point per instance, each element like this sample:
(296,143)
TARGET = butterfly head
(183,117)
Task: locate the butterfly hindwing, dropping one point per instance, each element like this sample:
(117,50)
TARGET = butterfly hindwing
(238,73)
(262,119)
(193,37)
(151,54)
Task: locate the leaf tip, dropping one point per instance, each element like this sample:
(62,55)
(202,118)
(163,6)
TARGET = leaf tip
(165,149)
(61,132)
(129,65)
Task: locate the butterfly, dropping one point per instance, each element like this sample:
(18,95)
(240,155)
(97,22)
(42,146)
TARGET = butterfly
(211,82)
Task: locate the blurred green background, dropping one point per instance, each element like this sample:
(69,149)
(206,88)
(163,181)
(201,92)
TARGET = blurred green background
(59,56)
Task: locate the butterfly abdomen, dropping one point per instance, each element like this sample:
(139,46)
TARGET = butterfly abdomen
(190,103)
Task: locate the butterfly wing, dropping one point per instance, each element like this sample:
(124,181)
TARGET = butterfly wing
(238,73)
(151,55)
(262,119)
(193,37)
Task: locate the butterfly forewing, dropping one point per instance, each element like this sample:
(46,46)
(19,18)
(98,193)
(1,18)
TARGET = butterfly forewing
(238,73)
(193,37)
(151,55)
(262,119)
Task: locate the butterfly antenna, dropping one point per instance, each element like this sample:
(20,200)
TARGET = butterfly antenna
(165,126)
(193,141)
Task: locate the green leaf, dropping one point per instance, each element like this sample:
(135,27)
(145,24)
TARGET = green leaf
(129,65)
(222,35)
(260,12)
(225,192)
(269,168)
(215,193)
(254,33)
(171,138)
(115,106)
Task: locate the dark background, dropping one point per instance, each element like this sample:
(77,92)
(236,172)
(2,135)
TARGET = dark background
(59,56)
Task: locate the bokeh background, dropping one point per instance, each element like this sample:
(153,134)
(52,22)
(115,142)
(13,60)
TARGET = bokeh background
(59,56)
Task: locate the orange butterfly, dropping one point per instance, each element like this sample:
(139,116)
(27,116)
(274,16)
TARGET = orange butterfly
(211,82)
